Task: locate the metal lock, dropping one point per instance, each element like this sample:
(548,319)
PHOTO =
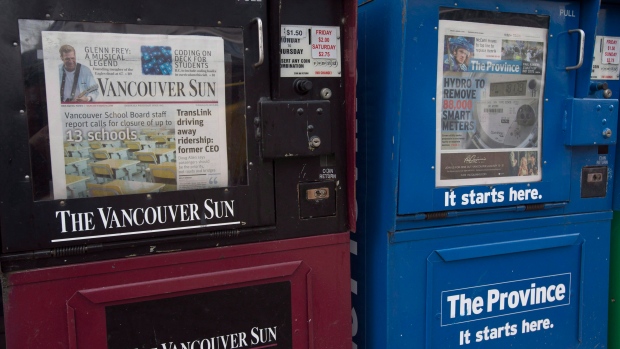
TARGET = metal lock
(326,93)
(315,142)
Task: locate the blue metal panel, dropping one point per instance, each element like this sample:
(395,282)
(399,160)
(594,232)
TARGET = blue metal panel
(420,165)
(417,126)
(591,121)
(428,273)
(375,120)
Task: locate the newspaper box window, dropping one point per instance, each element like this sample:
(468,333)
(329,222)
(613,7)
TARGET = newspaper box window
(137,131)
(489,111)
(133,113)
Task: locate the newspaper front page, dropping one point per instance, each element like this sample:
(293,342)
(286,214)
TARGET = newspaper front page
(489,103)
(131,101)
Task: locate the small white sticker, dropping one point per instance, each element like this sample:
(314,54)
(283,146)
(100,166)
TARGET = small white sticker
(317,56)
(324,42)
(294,32)
(610,50)
(606,62)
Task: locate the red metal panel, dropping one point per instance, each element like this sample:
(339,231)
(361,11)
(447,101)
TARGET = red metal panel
(64,307)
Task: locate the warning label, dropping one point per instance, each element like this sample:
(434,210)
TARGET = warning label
(310,51)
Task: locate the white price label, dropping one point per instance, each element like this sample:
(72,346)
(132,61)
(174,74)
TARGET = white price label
(294,32)
(325,42)
(307,51)
(611,49)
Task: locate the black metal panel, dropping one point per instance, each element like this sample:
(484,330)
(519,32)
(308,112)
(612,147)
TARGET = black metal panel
(291,129)
(253,316)
(317,199)
(594,182)
(267,207)
(290,172)
(29,225)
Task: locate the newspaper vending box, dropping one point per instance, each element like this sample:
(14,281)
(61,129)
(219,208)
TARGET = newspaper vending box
(605,83)
(177,176)
(484,176)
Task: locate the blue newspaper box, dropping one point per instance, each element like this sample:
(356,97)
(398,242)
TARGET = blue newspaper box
(485,176)
(605,78)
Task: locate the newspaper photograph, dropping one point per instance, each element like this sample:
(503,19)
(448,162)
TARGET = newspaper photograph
(132,114)
(489,103)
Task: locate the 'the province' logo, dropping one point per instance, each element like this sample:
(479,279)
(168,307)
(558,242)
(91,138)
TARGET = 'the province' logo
(501,299)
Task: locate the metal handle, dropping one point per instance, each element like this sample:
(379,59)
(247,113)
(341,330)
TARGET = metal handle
(261,50)
(582,40)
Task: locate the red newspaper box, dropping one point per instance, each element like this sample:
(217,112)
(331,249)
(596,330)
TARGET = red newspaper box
(177,176)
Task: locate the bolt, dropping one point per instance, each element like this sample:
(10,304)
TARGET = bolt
(300,111)
(319,111)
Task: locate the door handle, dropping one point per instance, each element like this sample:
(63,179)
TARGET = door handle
(261,49)
(582,39)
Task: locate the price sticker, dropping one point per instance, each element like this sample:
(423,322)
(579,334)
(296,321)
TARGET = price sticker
(310,51)
(611,51)
(325,42)
(294,32)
